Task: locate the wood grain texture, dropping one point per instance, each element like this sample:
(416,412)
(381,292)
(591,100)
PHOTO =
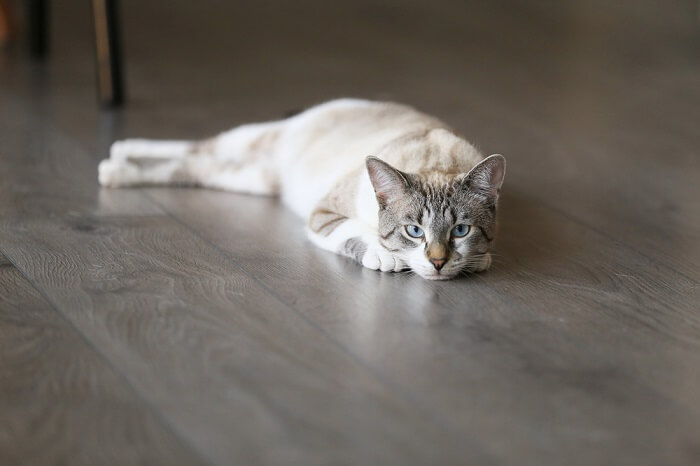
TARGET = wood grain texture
(210,348)
(581,346)
(581,336)
(45,173)
(60,402)
(240,375)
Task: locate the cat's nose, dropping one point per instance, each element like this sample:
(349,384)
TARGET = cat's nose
(438,263)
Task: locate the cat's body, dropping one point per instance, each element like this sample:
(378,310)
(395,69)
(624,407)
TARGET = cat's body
(317,162)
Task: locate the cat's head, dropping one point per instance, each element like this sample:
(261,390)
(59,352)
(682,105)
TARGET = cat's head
(441,225)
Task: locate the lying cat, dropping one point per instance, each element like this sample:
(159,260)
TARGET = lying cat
(381,183)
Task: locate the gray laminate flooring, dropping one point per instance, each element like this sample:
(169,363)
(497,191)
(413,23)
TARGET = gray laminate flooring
(182,326)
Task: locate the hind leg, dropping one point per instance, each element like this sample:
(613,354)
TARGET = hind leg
(239,160)
(135,162)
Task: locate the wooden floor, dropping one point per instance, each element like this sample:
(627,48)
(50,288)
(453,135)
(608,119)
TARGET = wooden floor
(176,326)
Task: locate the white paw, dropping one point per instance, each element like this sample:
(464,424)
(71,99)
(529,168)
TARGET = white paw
(114,173)
(378,258)
(122,150)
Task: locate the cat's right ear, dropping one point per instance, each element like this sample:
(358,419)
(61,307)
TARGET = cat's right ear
(486,178)
(388,182)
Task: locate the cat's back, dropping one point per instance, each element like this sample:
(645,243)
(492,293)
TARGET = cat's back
(356,121)
(331,140)
(346,131)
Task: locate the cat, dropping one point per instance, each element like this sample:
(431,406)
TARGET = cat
(381,183)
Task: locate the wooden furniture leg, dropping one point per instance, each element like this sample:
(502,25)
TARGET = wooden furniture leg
(108,52)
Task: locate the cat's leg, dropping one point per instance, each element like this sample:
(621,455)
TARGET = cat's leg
(149,148)
(350,238)
(135,162)
(239,160)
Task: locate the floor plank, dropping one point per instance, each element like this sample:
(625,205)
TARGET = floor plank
(52,384)
(240,375)
(585,338)
(579,347)
(209,348)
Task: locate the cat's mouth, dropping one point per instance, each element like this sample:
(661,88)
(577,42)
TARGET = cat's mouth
(430,273)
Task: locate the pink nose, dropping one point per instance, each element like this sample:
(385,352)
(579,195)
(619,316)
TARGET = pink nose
(438,263)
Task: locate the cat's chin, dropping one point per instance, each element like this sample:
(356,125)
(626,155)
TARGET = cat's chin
(438,276)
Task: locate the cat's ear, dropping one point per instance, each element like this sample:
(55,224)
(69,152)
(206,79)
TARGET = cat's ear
(486,177)
(388,182)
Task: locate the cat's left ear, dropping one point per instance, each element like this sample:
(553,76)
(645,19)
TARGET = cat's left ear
(388,182)
(486,177)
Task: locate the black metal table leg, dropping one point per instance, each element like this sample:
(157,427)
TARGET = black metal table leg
(108,52)
(38,13)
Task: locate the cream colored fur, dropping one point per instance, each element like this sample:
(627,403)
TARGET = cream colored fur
(314,161)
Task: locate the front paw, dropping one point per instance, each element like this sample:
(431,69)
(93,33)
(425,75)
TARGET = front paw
(378,258)
(114,173)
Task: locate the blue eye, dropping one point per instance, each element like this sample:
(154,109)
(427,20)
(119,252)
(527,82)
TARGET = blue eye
(414,231)
(460,231)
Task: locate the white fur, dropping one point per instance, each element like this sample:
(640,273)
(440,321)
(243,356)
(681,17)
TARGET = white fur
(134,148)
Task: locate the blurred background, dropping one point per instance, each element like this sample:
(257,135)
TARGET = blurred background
(207,65)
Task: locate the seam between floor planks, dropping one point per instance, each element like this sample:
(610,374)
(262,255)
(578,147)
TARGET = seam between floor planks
(364,370)
(513,301)
(158,415)
(390,384)
(509,300)
(506,299)
(618,242)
